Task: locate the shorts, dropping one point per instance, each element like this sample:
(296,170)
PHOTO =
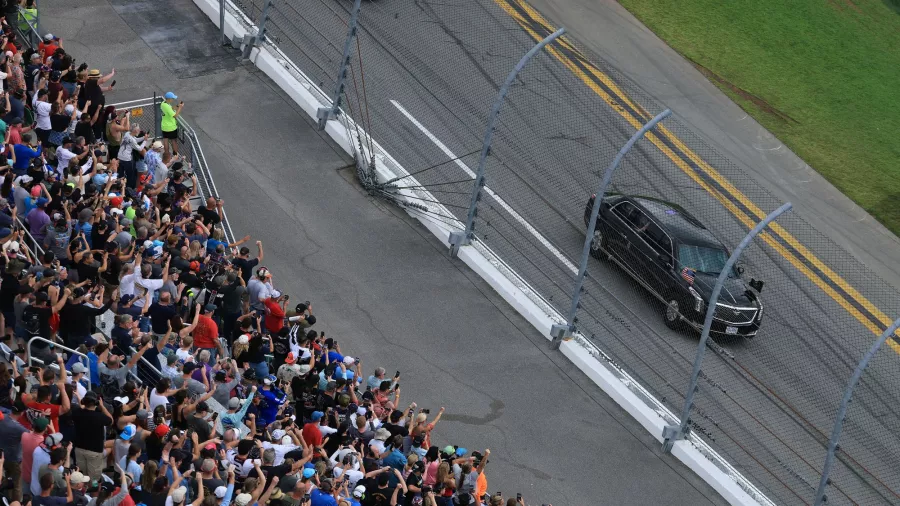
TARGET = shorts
(170,135)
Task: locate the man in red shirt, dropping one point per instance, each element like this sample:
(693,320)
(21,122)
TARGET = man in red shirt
(49,46)
(311,433)
(206,333)
(275,313)
(41,407)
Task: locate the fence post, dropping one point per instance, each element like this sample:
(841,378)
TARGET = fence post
(458,239)
(821,498)
(251,41)
(560,332)
(672,433)
(157,116)
(326,113)
(222,23)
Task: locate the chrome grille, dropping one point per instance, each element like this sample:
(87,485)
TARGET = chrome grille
(736,315)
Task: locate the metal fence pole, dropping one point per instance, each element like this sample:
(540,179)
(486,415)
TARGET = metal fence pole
(458,239)
(157,116)
(326,113)
(559,332)
(672,433)
(821,498)
(222,23)
(251,41)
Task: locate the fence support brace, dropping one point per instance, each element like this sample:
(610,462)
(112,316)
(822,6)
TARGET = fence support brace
(326,113)
(672,433)
(251,41)
(458,239)
(563,332)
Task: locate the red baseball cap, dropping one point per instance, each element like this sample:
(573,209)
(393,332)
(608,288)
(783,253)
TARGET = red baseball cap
(161,430)
(116,201)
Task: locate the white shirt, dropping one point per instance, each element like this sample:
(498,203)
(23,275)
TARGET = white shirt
(156,400)
(183,354)
(63,156)
(129,282)
(280,451)
(42,117)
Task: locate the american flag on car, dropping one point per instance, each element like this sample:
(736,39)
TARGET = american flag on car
(688,274)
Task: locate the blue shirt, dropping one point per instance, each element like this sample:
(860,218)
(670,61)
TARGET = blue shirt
(274,399)
(24,154)
(319,498)
(92,364)
(212,244)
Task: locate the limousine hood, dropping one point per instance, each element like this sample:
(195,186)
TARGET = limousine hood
(734,292)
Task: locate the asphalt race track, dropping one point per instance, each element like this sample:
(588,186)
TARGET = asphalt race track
(423,80)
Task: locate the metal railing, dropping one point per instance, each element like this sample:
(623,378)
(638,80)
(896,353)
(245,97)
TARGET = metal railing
(82,357)
(189,147)
(28,26)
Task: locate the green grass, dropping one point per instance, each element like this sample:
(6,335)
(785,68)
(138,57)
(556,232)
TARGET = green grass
(831,66)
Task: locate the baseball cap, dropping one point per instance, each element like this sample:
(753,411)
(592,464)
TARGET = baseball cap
(234,403)
(40,424)
(116,201)
(309,473)
(269,380)
(171,96)
(209,307)
(49,37)
(42,202)
(161,430)
(53,439)
(78,368)
(243,499)
(220,492)
(278,434)
(79,477)
(359,491)
(188,368)
(316,416)
(179,493)
(290,359)
(128,432)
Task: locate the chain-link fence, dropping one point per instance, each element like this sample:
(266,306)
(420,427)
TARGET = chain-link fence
(422,80)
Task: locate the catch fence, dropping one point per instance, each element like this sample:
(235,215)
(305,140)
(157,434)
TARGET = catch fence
(422,80)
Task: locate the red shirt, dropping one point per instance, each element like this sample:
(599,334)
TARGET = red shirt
(48,48)
(206,333)
(311,434)
(274,315)
(36,410)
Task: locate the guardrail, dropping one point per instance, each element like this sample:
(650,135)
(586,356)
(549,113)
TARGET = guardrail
(31,360)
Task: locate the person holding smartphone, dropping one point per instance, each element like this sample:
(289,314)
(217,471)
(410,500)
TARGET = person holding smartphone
(169,124)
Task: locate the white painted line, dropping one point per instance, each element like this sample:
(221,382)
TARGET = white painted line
(506,207)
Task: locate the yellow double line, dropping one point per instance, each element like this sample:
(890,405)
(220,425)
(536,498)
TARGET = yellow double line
(702,173)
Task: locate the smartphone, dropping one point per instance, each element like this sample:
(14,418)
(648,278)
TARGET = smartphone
(112,83)
(518,497)
(397,386)
(397,374)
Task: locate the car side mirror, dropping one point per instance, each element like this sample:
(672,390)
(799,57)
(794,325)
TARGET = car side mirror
(664,260)
(756,284)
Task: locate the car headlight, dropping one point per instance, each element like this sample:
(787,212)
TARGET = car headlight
(698,300)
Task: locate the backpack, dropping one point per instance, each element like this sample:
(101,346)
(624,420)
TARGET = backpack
(109,386)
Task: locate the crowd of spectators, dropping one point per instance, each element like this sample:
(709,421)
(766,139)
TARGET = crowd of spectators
(210,387)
